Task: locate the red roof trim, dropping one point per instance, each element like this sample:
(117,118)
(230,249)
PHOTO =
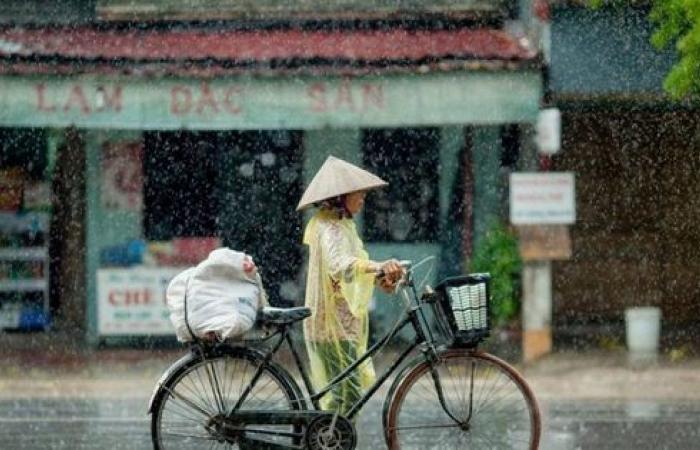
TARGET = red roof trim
(159,45)
(22,68)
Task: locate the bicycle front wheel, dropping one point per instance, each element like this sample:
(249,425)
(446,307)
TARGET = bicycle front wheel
(486,405)
(194,401)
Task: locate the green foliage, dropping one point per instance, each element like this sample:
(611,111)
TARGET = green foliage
(498,254)
(678,23)
(595,4)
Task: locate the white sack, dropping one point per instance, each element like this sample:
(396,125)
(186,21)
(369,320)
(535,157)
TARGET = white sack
(175,298)
(221,297)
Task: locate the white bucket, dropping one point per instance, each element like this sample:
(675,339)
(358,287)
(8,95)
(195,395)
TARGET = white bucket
(643,326)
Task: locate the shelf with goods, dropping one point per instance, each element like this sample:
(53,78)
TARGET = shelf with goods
(24,270)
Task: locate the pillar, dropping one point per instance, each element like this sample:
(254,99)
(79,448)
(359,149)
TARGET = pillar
(486,160)
(536,307)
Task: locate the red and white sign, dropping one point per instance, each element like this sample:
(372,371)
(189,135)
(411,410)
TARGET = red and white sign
(122,176)
(131,301)
(540,198)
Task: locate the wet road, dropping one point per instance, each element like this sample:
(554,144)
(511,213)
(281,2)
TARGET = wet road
(123,424)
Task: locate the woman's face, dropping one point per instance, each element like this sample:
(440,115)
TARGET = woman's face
(354,201)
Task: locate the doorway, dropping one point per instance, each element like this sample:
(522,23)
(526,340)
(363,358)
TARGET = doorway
(239,186)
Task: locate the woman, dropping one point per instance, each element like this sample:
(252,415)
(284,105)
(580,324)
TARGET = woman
(340,280)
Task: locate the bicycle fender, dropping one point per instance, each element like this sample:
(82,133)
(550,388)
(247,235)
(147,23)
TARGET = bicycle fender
(167,374)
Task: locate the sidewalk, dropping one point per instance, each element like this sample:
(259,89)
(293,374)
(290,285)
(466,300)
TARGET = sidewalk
(611,376)
(59,369)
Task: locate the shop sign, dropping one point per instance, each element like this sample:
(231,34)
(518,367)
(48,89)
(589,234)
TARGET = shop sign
(269,103)
(131,301)
(540,198)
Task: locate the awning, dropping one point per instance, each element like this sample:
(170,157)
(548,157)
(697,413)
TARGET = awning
(198,51)
(212,78)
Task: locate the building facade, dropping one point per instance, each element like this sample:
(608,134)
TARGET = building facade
(188,127)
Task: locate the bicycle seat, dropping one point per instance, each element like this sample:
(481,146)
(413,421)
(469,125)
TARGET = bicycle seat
(283,316)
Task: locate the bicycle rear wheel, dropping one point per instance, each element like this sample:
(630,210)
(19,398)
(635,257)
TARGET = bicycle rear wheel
(487,403)
(189,410)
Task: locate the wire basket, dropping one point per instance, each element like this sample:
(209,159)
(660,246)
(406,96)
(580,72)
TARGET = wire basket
(462,309)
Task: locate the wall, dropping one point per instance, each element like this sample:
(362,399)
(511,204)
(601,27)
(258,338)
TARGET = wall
(605,52)
(47,12)
(104,227)
(636,236)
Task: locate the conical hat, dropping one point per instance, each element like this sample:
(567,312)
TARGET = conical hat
(337,177)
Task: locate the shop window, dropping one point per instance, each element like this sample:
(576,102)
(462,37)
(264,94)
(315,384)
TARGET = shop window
(25,150)
(179,185)
(239,186)
(510,139)
(259,196)
(408,209)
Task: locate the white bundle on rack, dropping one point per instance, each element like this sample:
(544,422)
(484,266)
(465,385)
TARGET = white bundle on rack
(222,295)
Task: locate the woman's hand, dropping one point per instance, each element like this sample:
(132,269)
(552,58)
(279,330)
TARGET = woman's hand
(385,286)
(391,272)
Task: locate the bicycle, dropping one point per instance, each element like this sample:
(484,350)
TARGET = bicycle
(450,395)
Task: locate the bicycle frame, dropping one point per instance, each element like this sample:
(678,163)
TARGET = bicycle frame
(411,318)
(247,426)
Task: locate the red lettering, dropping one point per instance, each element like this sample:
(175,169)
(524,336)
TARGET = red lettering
(41,104)
(206,100)
(317,93)
(113,298)
(129,298)
(345,95)
(147,297)
(180,100)
(229,104)
(113,100)
(372,95)
(77,98)
(556,196)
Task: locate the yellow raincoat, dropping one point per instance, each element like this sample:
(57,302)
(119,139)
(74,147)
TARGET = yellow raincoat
(338,290)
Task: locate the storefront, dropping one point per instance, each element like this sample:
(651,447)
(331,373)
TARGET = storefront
(190,145)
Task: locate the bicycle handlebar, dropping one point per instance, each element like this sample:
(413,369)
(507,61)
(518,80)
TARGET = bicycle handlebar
(405,263)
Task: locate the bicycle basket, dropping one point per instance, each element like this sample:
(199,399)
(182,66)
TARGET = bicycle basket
(462,309)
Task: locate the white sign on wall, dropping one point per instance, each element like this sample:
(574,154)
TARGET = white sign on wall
(548,137)
(131,301)
(542,198)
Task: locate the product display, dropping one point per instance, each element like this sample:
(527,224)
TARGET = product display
(24,271)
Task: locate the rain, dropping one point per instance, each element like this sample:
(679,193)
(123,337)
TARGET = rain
(523,274)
